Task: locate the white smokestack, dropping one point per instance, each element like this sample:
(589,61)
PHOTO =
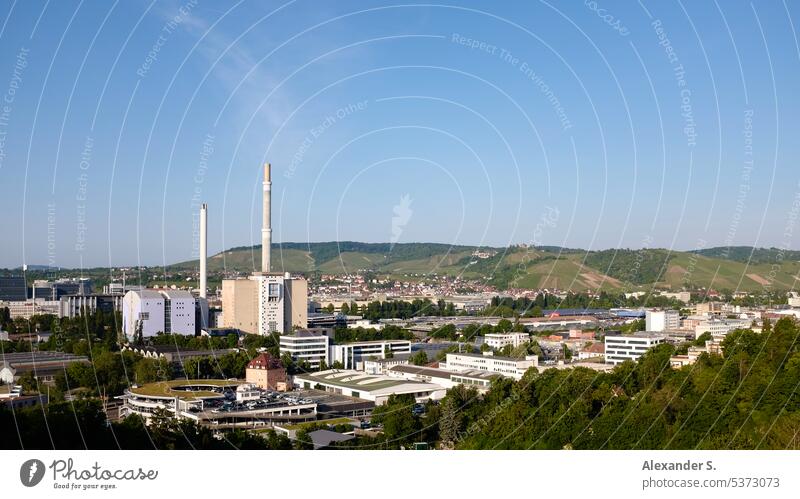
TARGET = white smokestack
(266,222)
(203,248)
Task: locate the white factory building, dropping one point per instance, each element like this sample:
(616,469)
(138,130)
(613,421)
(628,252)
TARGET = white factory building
(620,348)
(662,320)
(158,311)
(507,366)
(372,387)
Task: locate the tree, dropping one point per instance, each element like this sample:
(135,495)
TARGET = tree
(449,423)
(419,358)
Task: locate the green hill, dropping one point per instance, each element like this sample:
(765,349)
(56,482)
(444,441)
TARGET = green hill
(543,267)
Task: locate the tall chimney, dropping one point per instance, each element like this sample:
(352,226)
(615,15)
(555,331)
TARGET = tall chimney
(203,248)
(266,222)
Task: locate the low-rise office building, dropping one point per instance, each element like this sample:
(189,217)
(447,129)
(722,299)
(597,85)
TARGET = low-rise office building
(352,355)
(308,345)
(507,366)
(382,366)
(620,348)
(501,340)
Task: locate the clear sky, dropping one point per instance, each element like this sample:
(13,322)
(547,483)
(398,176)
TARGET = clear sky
(596,124)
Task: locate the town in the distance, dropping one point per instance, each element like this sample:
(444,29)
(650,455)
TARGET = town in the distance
(447,348)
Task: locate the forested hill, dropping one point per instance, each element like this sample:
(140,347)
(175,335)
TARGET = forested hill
(749,254)
(527,267)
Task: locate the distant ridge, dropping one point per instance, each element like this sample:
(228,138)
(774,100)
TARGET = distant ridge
(736,268)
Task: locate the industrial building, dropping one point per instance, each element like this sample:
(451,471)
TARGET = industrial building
(13,288)
(662,320)
(265,302)
(160,311)
(72,306)
(370,387)
(45,365)
(480,380)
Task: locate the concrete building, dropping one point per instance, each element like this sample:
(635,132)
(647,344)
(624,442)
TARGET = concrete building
(13,288)
(620,348)
(352,355)
(28,308)
(662,320)
(507,366)
(167,311)
(266,302)
(481,380)
(76,305)
(308,345)
(45,365)
(267,373)
(719,328)
(375,388)
(205,403)
(382,366)
(500,340)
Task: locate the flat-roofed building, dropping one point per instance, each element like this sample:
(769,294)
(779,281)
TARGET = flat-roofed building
(507,366)
(500,340)
(620,348)
(308,345)
(240,305)
(371,387)
(662,320)
(352,355)
(481,380)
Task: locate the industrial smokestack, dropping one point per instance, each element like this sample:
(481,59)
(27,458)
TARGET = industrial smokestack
(203,248)
(266,222)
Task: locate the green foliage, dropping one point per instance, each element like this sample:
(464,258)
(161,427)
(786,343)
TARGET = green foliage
(420,358)
(641,266)
(390,332)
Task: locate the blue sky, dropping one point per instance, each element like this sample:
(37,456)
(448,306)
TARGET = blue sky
(660,124)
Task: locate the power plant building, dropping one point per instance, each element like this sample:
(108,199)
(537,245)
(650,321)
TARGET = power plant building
(265,302)
(158,311)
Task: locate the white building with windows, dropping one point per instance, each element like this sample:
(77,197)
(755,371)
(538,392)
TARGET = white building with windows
(620,348)
(719,328)
(308,345)
(365,386)
(507,366)
(143,309)
(662,320)
(167,311)
(500,340)
(352,355)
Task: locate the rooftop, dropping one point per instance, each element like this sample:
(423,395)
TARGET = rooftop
(358,380)
(185,389)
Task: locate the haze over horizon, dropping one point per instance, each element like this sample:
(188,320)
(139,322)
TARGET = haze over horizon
(469,124)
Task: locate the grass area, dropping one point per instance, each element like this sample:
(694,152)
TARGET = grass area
(167,388)
(334,421)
